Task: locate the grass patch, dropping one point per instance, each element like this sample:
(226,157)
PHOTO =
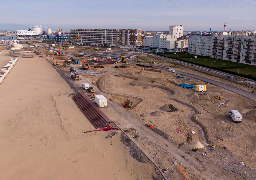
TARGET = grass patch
(245,70)
(149,59)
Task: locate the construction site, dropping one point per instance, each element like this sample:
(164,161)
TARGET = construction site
(186,134)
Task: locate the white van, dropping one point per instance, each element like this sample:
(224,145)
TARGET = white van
(235,116)
(85,85)
(172,70)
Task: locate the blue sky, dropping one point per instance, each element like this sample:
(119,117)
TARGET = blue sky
(152,15)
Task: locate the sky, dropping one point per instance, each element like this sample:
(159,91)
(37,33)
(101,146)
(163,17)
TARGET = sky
(150,15)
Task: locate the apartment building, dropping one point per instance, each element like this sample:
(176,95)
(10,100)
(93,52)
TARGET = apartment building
(106,37)
(241,49)
(129,37)
(200,45)
(236,48)
(176,31)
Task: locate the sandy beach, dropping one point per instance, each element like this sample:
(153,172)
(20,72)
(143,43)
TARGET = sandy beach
(42,131)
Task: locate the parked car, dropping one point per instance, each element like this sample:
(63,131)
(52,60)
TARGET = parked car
(235,116)
(172,70)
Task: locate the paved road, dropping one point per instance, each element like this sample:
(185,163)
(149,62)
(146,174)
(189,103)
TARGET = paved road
(219,84)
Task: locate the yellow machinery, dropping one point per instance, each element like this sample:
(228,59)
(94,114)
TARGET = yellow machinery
(123,59)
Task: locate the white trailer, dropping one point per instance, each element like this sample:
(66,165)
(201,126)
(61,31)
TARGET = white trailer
(200,88)
(100,100)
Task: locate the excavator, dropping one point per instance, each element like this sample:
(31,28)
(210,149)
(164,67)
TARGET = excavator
(128,104)
(85,66)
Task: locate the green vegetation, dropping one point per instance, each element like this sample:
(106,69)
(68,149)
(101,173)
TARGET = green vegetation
(244,70)
(149,59)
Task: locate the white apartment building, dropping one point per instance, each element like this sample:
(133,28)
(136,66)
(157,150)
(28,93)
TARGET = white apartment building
(200,45)
(176,31)
(166,42)
(236,48)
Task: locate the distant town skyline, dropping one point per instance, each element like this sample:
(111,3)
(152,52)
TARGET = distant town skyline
(197,15)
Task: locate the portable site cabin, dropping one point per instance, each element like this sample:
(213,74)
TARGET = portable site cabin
(200,88)
(100,100)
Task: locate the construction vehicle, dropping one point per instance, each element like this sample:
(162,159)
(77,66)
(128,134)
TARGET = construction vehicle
(90,90)
(74,75)
(72,69)
(85,66)
(128,104)
(218,97)
(123,59)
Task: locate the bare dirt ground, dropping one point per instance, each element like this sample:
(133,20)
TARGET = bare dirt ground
(180,117)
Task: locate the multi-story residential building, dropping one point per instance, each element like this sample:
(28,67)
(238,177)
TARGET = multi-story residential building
(163,42)
(106,37)
(176,31)
(181,44)
(129,37)
(236,48)
(147,41)
(199,45)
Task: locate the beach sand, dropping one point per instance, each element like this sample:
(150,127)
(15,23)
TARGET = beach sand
(42,131)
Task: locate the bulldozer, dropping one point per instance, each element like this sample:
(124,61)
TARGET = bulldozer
(127,104)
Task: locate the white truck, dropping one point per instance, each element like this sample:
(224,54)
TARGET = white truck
(100,100)
(235,116)
(85,86)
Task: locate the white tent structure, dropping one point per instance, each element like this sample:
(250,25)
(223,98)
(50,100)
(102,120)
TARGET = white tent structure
(197,145)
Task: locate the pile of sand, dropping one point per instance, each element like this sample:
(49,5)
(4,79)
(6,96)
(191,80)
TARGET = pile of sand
(156,113)
(168,108)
